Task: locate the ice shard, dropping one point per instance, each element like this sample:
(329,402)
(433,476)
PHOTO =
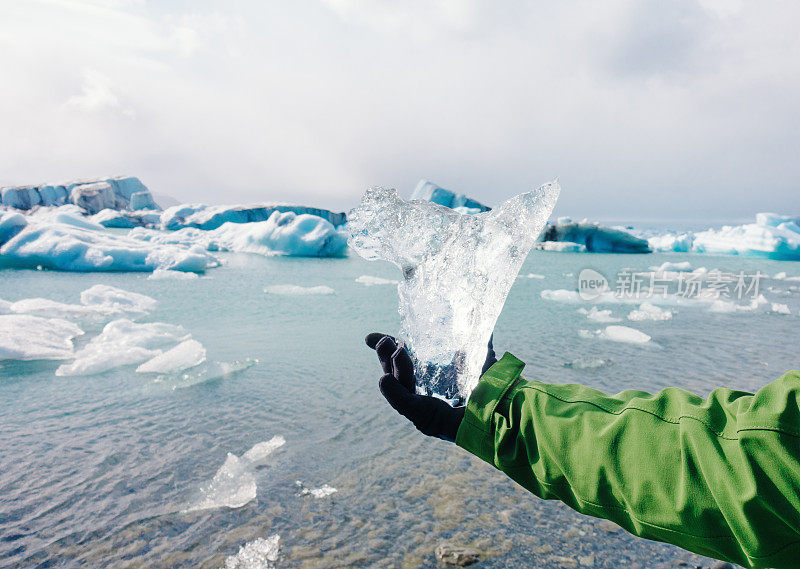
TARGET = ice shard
(457,271)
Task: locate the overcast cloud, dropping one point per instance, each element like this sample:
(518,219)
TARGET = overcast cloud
(643,109)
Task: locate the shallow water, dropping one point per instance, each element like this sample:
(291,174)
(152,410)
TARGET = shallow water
(103,470)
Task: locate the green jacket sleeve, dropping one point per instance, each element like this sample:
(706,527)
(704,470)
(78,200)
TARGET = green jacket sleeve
(718,476)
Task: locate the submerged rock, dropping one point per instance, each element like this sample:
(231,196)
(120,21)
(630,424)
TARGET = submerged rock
(456,555)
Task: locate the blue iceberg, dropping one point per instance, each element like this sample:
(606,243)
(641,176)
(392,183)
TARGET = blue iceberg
(120,192)
(594,238)
(209,217)
(71,242)
(430,192)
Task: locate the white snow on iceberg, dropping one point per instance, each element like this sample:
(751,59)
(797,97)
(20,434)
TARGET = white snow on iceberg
(29,242)
(25,337)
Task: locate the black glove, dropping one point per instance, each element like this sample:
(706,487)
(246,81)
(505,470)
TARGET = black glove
(430,415)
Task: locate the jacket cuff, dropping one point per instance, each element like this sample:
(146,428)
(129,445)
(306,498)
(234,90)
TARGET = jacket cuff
(476,432)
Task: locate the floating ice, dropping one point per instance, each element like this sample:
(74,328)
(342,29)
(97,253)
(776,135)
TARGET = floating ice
(187,354)
(99,302)
(594,238)
(166,274)
(668,266)
(208,217)
(561,247)
(649,311)
(70,246)
(25,337)
(617,334)
(368,280)
(585,362)
(779,308)
(296,290)
(285,233)
(457,271)
(772,236)
(531,276)
(234,484)
(429,191)
(121,343)
(322,492)
(598,315)
(209,371)
(261,553)
(119,192)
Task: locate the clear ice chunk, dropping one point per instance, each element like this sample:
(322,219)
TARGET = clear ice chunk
(457,272)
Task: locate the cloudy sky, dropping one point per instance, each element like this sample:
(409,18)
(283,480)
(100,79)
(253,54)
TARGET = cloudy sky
(642,108)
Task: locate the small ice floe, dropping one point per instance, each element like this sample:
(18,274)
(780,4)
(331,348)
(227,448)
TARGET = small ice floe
(778,308)
(648,311)
(617,334)
(26,337)
(667,266)
(531,276)
(122,342)
(322,492)
(234,484)
(368,280)
(296,290)
(722,306)
(99,302)
(598,315)
(261,553)
(186,355)
(585,362)
(207,371)
(167,274)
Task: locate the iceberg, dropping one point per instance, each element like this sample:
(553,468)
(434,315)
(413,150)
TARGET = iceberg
(457,271)
(772,236)
(287,233)
(369,280)
(595,238)
(69,243)
(26,337)
(121,192)
(126,219)
(209,217)
(429,191)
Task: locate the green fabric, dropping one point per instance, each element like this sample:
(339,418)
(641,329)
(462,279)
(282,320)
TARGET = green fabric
(718,476)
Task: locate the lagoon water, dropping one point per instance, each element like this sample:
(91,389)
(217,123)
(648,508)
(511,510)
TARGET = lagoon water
(109,470)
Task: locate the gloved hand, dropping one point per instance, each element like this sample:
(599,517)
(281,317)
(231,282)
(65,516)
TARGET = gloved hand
(430,415)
